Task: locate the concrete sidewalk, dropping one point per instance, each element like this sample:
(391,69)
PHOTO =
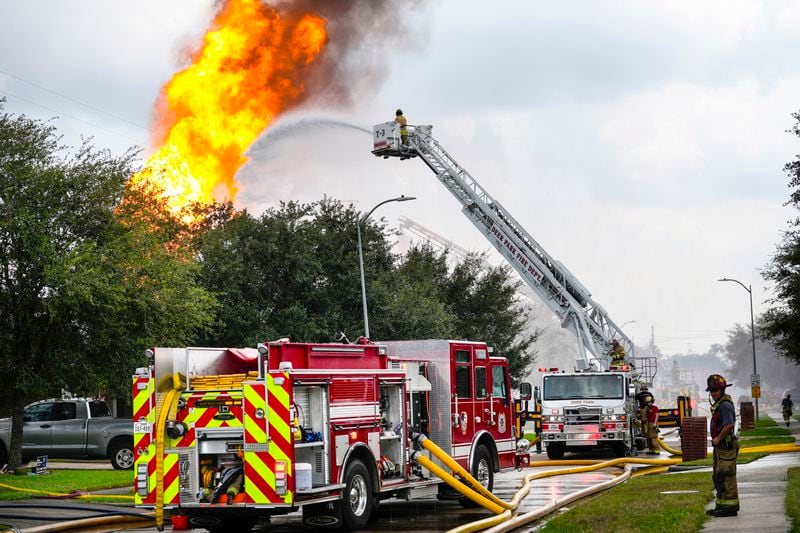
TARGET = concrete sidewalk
(762,492)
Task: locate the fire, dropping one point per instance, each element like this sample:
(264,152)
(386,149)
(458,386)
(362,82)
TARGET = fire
(250,68)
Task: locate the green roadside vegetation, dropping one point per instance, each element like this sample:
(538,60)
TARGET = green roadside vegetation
(612,510)
(793,498)
(65,482)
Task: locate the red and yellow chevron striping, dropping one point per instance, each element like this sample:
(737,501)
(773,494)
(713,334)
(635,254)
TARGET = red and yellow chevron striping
(269,451)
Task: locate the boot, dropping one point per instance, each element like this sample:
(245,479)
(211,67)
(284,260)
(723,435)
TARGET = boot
(722,511)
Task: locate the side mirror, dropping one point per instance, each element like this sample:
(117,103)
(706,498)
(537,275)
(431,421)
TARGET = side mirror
(631,390)
(525,391)
(537,394)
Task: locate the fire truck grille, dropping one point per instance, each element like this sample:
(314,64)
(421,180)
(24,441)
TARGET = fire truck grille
(582,415)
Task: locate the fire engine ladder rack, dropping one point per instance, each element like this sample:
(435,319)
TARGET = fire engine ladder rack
(548,278)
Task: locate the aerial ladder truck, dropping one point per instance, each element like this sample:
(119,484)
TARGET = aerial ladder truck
(589,424)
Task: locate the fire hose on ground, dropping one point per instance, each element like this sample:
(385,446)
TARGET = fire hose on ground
(504,511)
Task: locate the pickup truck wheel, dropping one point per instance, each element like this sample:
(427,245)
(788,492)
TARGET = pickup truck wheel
(121,454)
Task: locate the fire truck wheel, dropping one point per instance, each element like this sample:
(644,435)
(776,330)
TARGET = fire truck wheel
(121,454)
(619,449)
(357,498)
(482,470)
(555,451)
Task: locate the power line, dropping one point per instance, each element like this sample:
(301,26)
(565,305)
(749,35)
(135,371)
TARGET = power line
(139,141)
(71,99)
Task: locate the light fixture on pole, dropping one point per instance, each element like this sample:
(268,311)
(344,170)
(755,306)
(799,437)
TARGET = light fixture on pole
(359,220)
(749,290)
(633,346)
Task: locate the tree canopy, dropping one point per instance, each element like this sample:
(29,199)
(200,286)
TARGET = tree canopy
(781,323)
(293,272)
(86,280)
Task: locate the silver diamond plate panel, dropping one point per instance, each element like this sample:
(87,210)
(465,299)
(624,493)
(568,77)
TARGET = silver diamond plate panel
(437,352)
(260,447)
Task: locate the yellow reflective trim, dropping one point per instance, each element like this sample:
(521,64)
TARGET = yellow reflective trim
(254,398)
(171,491)
(279,425)
(255,464)
(251,425)
(278,391)
(140,397)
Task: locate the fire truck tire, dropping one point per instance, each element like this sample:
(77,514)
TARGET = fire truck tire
(555,451)
(619,449)
(120,452)
(482,470)
(358,499)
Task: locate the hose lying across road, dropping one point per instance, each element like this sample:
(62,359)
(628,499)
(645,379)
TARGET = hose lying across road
(505,520)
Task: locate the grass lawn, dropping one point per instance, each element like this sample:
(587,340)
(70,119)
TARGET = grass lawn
(743,459)
(64,482)
(793,498)
(613,510)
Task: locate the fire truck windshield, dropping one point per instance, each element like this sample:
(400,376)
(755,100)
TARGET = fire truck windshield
(572,387)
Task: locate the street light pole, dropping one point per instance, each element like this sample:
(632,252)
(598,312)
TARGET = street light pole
(749,290)
(359,220)
(633,346)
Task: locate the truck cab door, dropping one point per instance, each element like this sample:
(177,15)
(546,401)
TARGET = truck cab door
(483,417)
(36,428)
(68,434)
(501,406)
(462,403)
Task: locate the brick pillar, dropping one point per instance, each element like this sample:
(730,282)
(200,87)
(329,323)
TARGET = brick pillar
(694,438)
(748,416)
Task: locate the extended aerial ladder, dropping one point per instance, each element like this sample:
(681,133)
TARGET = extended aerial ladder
(548,278)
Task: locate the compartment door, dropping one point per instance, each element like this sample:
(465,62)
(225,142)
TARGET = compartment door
(268,446)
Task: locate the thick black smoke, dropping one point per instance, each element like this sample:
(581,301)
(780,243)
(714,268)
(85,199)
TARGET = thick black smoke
(364,38)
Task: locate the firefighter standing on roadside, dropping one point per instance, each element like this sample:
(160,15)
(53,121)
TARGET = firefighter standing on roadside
(651,425)
(726,448)
(647,418)
(617,354)
(400,119)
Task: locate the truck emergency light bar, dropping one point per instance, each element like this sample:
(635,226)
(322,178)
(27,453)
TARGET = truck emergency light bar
(545,369)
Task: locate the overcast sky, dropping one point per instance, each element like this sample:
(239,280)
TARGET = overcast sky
(641,143)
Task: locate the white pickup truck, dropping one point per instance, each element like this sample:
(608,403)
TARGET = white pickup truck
(75,428)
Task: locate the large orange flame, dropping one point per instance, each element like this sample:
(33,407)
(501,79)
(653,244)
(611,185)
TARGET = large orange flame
(249,70)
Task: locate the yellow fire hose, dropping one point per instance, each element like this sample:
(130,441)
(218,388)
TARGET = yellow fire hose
(169,407)
(666,448)
(457,469)
(506,522)
(456,484)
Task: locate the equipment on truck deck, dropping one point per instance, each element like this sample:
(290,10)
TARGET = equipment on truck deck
(322,427)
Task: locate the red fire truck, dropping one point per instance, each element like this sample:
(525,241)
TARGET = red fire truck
(225,436)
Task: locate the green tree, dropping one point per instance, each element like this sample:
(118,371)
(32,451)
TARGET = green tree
(486,304)
(86,281)
(292,272)
(777,373)
(781,323)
